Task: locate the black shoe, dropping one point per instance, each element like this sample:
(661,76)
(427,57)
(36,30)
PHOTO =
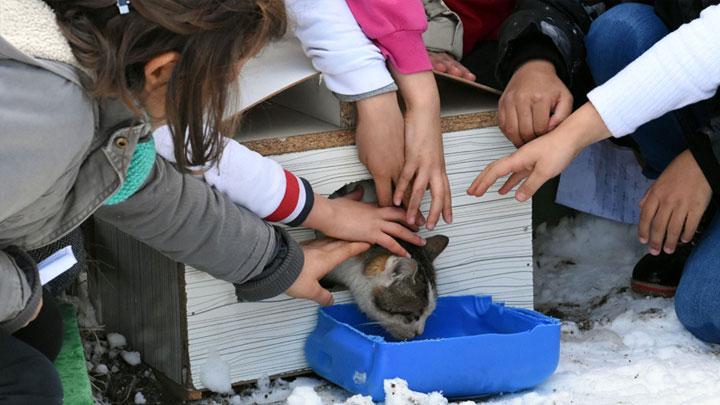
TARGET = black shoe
(660,275)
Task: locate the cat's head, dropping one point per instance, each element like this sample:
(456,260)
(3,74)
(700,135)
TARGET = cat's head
(402,291)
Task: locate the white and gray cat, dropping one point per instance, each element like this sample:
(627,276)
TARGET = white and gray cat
(398,293)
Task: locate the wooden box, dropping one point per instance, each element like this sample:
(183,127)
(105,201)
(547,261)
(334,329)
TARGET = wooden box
(175,314)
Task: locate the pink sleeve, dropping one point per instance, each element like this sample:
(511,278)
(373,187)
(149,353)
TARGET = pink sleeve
(396,26)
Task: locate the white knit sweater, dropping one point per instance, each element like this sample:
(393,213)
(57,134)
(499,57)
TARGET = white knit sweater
(681,69)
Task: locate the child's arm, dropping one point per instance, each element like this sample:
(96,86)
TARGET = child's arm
(262,186)
(397,29)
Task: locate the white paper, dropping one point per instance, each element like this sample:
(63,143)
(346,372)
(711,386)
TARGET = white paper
(56,264)
(604,180)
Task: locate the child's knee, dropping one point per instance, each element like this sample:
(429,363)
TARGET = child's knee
(698,309)
(623,33)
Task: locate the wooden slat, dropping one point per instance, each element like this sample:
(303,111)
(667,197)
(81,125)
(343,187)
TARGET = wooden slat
(490,252)
(140,297)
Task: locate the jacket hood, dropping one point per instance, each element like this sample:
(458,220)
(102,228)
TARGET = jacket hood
(31,27)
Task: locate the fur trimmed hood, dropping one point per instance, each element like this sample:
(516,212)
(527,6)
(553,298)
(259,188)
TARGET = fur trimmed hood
(32,28)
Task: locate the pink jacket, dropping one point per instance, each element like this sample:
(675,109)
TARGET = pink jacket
(396,27)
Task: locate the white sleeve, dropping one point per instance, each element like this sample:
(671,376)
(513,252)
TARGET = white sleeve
(251,180)
(681,69)
(350,63)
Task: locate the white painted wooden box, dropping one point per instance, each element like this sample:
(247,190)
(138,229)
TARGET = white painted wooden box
(175,314)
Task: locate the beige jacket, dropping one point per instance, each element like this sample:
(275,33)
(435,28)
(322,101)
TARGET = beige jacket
(445,30)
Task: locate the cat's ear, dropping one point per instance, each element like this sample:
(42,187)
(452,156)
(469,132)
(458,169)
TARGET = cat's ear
(435,245)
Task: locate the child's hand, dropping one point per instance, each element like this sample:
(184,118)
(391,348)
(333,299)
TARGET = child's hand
(545,157)
(321,256)
(348,219)
(445,63)
(534,102)
(674,205)
(381,142)
(424,156)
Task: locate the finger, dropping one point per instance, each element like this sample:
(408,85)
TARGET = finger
(675,225)
(447,206)
(455,71)
(525,122)
(540,117)
(511,124)
(468,75)
(383,189)
(418,191)
(513,181)
(403,183)
(440,67)
(400,232)
(658,228)
(647,213)
(392,245)
(489,176)
(320,295)
(531,185)
(562,110)
(437,192)
(337,251)
(501,114)
(691,224)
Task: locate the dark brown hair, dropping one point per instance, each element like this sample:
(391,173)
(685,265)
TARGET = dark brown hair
(212,37)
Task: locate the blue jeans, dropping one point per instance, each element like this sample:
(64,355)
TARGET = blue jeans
(615,39)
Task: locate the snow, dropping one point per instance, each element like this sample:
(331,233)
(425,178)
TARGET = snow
(101,369)
(139,398)
(216,374)
(131,358)
(398,393)
(116,340)
(304,396)
(616,346)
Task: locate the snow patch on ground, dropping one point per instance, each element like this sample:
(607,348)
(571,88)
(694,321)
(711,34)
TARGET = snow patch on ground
(116,340)
(131,358)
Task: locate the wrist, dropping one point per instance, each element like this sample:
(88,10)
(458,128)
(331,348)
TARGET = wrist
(585,126)
(419,91)
(321,215)
(537,65)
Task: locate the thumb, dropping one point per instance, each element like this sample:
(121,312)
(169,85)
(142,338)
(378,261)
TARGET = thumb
(321,295)
(562,110)
(342,250)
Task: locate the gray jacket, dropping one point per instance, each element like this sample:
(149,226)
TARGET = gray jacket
(63,153)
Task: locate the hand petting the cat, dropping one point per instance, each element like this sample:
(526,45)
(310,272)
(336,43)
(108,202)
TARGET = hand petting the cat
(544,158)
(349,219)
(673,206)
(424,157)
(321,257)
(381,142)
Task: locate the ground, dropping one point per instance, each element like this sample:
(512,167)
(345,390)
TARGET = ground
(616,347)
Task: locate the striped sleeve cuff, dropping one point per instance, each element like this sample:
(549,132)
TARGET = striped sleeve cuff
(296,204)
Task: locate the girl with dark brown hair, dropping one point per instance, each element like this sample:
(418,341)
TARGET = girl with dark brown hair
(82,85)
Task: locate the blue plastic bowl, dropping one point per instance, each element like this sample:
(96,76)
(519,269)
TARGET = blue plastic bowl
(471,347)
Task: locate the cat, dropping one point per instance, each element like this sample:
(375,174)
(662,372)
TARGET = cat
(398,293)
